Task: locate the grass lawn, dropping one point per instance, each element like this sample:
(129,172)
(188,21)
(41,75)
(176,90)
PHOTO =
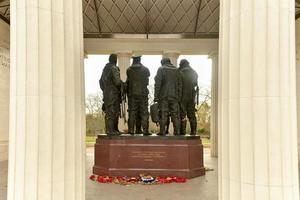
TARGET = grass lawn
(206,142)
(91,140)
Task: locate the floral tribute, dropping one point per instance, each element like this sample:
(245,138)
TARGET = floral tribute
(141,179)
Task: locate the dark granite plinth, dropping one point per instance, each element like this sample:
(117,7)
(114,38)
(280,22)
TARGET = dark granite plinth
(127,155)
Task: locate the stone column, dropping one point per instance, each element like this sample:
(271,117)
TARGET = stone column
(47,121)
(173,55)
(258,139)
(298,79)
(124,63)
(4,89)
(214,106)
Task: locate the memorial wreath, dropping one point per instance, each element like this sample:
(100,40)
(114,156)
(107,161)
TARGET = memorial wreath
(141,179)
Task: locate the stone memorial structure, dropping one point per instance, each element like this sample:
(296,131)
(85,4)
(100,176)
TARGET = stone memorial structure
(128,155)
(164,156)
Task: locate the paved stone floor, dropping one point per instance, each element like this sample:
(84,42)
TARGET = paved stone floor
(201,188)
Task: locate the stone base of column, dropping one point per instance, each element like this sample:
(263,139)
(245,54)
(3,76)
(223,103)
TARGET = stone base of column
(164,156)
(3,150)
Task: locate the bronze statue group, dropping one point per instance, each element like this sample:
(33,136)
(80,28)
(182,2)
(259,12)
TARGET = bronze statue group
(174,97)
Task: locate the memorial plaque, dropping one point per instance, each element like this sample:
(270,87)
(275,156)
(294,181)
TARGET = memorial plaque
(156,155)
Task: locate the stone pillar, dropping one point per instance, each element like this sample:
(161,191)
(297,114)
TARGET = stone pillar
(47,120)
(124,63)
(4,89)
(173,55)
(258,139)
(214,106)
(298,79)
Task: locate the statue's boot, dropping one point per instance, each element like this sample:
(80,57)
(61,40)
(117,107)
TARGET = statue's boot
(106,125)
(131,131)
(146,132)
(176,124)
(138,131)
(110,127)
(162,127)
(113,126)
(131,125)
(145,125)
(167,127)
(138,126)
(193,127)
(183,127)
(116,124)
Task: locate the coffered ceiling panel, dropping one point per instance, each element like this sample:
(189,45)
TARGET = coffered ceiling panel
(297,9)
(151,17)
(105,18)
(173,16)
(4,10)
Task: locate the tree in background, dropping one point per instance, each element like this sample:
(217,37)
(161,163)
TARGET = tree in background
(204,111)
(95,122)
(94,103)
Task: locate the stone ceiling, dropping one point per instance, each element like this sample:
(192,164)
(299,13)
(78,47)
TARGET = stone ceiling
(4,10)
(197,17)
(297,8)
(106,18)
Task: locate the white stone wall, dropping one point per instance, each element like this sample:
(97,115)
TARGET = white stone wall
(4,89)
(298,79)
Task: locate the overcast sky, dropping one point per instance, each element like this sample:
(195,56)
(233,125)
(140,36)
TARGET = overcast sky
(94,65)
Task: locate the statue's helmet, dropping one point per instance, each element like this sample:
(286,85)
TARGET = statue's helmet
(184,63)
(113,58)
(165,61)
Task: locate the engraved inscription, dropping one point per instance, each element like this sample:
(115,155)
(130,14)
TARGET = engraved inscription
(148,156)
